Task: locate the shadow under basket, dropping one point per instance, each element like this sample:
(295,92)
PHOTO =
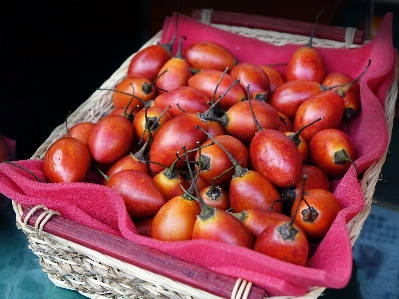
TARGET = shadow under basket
(83,259)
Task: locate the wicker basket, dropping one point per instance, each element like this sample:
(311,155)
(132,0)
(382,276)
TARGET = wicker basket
(97,275)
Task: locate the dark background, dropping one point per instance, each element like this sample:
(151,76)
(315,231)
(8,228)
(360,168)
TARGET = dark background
(53,55)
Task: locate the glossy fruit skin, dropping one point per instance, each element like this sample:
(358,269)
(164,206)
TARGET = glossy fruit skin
(316,179)
(141,124)
(128,87)
(206,81)
(273,154)
(177,75)
(225,228)
(128,162)
(286,123)
(328,105)
(140,194)
(290,95)
(171,136)
(175,220)
(294,251)
(324,145)
(66,160)
(275,77)
(327,207)
(257,220)
(241,124)
(81,131)
(170,186)
(302,146)
(188,98)
(250,73)
(111,139)
(352,101)
(208,55)
(306,64)
(215,196)
(219,161)
(148,61)
(253,191)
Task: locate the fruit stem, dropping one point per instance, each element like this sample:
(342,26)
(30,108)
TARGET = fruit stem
(25,169)
(179,53)
(210,114)
(100,171)
(239,170)
(207,211)
(314,27)
(304,178)
(145,103)
(341,156)
(66,122)
(295,136)
(252,111)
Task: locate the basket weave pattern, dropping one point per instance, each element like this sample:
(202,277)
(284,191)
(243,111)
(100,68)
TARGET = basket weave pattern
(96,275)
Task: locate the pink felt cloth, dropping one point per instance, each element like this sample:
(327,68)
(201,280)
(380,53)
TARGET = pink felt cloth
(98,207)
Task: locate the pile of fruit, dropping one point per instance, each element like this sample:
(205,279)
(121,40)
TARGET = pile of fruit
(200,146)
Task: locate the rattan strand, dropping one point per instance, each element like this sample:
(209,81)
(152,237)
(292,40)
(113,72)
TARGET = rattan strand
(95,275)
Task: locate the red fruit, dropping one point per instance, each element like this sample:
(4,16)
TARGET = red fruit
(208,55)
(316,179)
(273,154)
(175,220)
(171,136)
(213,161)
(218,225)
(183,99)
(215,196)
(306,63)
(253,190)
(352,102)
(111,139)
(66,160)
(249,73)
(131,90)
(285,123)
(148,61)
(301,142)
(140,194)
(170,183)
(238,120)
(275,77)
(175,73)
(257,220)
(327,105)
(333,151)
(130,161)
(317,212)
(285,241)
(148,120)
(289,96)
(207,81)
(81,131)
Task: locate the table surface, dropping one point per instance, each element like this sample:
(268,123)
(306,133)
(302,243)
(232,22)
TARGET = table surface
(375,255)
